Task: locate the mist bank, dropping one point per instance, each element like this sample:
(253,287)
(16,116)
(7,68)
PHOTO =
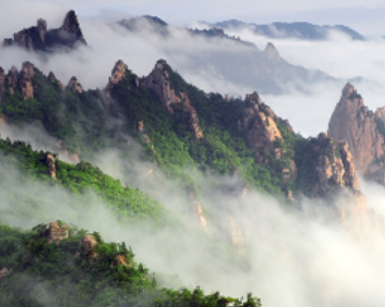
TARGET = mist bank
(253,243)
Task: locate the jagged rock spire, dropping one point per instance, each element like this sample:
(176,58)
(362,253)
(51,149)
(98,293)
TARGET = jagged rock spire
(353,122)
(71,25)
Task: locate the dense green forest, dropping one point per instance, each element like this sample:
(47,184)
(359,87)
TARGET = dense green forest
(68,272)
(125,202)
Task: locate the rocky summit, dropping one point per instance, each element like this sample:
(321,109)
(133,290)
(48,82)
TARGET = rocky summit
(39,38)
(363,130)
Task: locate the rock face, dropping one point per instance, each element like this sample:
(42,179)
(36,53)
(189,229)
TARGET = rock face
(87,246)
(56,233)
(334,168)
(74,85)
(38,38)
(258,122)
(51,165)
(15,81)
(159,81)
(361,128)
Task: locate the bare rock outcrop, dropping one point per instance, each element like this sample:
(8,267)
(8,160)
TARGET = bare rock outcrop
(87,246)
(38,38)
(334,167)
(75,85)
(51,165)
(3,273)
(56,232)
(15,81)
(25,81)
(258,122)
(354,122)
(159,81)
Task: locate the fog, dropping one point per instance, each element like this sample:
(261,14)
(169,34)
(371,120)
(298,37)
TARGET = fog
(308,111)
(297,256)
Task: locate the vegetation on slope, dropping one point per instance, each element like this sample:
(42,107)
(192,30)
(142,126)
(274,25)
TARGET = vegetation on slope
(79,179)
(69,273)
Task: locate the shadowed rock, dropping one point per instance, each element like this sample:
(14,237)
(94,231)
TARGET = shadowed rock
(38,38)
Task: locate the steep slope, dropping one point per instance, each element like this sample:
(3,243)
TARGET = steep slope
(39,38)
(185,132)
(363,130)
(42,168)
(284,30)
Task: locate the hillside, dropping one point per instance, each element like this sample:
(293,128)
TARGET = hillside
(58,264)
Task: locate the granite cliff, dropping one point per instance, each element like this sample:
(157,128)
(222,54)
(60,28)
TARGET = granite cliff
(363,130)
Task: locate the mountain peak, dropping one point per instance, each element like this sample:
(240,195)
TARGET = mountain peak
(71,25)
(272,52)
(362,129)
(38,38)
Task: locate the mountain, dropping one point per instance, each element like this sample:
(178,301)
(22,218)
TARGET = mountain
(39,38)
(231,59)
(180,139)
(57,263)
(179,126)
(364,131)
(287,30)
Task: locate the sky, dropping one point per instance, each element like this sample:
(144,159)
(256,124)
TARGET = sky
(364,16)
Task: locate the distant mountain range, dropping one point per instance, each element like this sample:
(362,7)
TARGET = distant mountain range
(299,30)
(217,54)
(240,62)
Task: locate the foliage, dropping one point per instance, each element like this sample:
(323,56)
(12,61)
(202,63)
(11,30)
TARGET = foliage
(67,274)
(83,177)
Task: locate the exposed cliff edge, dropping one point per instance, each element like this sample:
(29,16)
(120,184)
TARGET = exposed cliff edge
(363,130)
(159,81)
(326,170)
(39,38)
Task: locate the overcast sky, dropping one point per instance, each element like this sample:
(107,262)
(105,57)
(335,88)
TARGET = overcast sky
(364,16)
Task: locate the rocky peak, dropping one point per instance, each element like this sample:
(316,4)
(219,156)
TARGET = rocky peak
(259,125)
(25,80)
(15,81)
(27,71)
(353,122)
(53,79)
(272,52)
(159,82)
(71,26)
(74,85)
(38,38)
(41,28)
(118,72)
